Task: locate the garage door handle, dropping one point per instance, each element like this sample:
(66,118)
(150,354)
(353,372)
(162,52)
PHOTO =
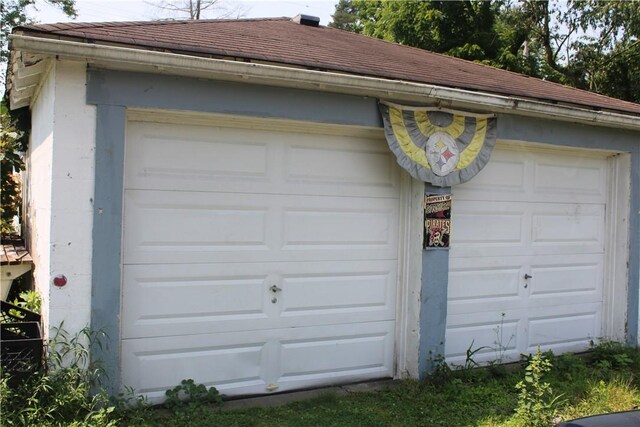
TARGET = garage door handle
(526,276)
(275,289)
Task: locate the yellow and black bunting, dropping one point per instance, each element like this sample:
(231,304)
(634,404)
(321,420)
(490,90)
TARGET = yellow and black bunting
(441,147)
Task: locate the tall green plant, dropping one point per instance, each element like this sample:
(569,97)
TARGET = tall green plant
(536,402)
(61,395)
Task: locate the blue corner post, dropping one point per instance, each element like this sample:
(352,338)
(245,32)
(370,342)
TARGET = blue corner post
(107,229)
(433,300)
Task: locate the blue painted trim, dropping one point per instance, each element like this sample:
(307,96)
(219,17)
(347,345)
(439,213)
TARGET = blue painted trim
(107,245)
(433,301)
(633,293)
(137,90)
(566,134)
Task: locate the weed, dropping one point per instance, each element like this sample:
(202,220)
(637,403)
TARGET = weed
(29,300)
(610,355)
(536,404)
(441,370)
(500,347)
(469,361)
(61,394)
(189,396)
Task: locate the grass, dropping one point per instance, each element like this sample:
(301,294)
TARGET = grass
(608,380)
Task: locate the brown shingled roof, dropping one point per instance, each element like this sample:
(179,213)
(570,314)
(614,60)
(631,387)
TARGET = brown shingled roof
(279,40)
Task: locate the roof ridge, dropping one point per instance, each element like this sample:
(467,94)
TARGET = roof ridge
(168,21)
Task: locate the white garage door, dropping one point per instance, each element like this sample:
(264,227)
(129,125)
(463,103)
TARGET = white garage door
(256,260)
(526,262)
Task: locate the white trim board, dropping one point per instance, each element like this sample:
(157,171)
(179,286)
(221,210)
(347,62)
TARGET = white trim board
(617,247)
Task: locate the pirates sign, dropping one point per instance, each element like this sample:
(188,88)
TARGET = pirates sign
(437,220)
(442,147)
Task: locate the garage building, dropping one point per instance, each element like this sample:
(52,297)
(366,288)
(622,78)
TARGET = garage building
(234,202)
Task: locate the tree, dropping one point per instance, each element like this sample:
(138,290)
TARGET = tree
(13,13)
(345,17)
(196,9)
(465,29)
(589,44)
(11,145)
(14,125)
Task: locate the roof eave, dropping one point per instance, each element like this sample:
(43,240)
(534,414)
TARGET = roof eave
(116,57)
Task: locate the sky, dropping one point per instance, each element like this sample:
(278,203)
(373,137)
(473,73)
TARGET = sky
(143,10)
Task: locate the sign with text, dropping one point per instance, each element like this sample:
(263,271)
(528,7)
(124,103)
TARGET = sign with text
(437,220)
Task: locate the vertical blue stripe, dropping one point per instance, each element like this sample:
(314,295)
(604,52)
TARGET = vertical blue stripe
(107,230)
(433,300)
(633,291)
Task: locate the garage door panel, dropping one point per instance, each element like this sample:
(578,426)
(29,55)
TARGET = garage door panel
(352,165)
(471,284)
(493,283)
(187,299)
(565,327)
(580,226)
(200,298)
(308,358)
(192,227)
(333,293)
(566,278)
(152,366)
(530,176)
(560,329)
(238,363)
(570,176)
(176,225)
(163,158)
(218,159)
(492,228)
(485,284)
(487,228)
(490,182)
(491,335)
(311,229)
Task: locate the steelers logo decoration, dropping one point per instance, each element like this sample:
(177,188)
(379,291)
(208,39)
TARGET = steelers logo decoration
(442,147)
(442,153)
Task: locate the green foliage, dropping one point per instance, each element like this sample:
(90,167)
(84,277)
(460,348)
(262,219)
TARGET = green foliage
(469,361)
(345,17)
(609,356)
(589,44)
(13,126)
(11,146)
(189,396)
(536,404)
(62,394)
(463,29)
(29,300)
(478,400)
(617,394)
